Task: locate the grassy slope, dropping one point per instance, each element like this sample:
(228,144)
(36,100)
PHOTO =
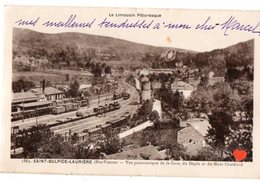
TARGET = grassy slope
(25,40)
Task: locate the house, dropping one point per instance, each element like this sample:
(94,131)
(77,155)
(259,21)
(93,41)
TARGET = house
(22,98)
(83,87)
(213,80)
(63,87)
(144,72)
(200,124)
(137,84)
(48,93)
(34,105)
(144,153)
(191,139)
(192,135)
(146,89)
(155,85)
(158,71)
(157,106)
(182,87)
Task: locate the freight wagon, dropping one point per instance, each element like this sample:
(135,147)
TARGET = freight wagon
(31,113)
(84,102)
(65,108)
(69,100)
(120,121)
(68,107)
(117,96)
(106,108)
(16,116)
(58,110)
(106,127)
(126,96)
(29,110)
(123,95)
(84,136)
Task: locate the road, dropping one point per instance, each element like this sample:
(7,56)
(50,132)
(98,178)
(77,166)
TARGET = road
(135,129)
(77,126)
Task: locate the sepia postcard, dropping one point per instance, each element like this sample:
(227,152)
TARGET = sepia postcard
(127,91)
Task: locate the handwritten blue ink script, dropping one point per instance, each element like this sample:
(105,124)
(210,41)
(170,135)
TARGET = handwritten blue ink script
(227,26)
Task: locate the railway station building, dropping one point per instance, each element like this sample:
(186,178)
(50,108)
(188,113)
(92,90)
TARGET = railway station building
(48,93)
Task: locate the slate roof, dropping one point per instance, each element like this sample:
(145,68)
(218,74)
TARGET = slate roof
(33,104)
(84,86)
(199,124)
(23,96)
(144,153)
(145,79)
(180,85)
(47,91)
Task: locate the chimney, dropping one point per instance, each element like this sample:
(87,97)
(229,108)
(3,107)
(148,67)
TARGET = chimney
(43,85)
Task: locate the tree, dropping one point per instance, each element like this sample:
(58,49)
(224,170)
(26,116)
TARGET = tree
(219,97)
(86,153)
(52,147)
(204,81)
(174,100)
(121,70)
(22,85)
(154,117)
(74,89)
(32,139)
(219,130)
(209,154)
(74,138)
(107,70)
(145,109)
(111,144)
(241,138)
(176,152)
(67,77)
(177,100)
(96,70)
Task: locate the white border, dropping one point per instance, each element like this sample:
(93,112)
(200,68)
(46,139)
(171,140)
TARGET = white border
(187,4)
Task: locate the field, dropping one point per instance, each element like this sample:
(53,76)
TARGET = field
(55,76)
(37,76)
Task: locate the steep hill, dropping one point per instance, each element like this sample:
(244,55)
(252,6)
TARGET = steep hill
(77,48)
(26,42)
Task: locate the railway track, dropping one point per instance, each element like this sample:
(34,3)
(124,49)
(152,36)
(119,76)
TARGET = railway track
(51,119)
(80,125)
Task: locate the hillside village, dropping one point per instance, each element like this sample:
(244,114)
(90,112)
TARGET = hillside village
(145,103)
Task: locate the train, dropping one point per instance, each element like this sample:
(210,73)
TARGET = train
(107,108)
(126,96)
(96,131)
(68,107)
(123,95)
(31,113)
(55,107)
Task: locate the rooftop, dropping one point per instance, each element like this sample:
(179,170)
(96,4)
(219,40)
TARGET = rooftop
(180,85)
(23,96)
(47,91)
(84,86)
(199,124)
(145,79)
(144,153)
(33,104)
